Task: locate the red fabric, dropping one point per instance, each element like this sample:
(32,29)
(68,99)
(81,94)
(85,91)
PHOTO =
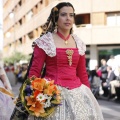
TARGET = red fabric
(81,71)
(7,69)
(99,73)
(38,62)
(58,69)
(11,68)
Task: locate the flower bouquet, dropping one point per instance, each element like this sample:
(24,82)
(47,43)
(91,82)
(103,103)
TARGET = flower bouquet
(39,96)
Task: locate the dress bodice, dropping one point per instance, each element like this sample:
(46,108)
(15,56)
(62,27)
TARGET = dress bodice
(58,68)
(66,69)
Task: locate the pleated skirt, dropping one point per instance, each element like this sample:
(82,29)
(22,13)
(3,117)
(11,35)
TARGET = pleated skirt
(77,104)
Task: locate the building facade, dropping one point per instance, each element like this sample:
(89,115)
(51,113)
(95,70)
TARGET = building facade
(97,24)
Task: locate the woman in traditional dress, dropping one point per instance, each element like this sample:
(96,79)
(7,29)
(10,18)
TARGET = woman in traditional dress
(63,54)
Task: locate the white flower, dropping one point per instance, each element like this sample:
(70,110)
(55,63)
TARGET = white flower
(47,97)
(47,104)
(41,97)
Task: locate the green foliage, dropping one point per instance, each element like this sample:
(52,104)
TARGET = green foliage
(16,57)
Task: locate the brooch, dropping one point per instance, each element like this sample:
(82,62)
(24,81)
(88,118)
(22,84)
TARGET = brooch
(69,56)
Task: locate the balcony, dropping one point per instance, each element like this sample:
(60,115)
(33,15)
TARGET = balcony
(19,14)
(105,5)
(99,34)
(12,4)
(38,20)
(25,48)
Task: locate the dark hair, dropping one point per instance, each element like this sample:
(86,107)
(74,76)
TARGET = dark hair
(50,25)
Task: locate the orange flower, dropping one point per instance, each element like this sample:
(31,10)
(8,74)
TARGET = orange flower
(36,93)
(51,82)
(58,98)
(37,109)
(31,101)
(38,84)
(56,90)
(49,90)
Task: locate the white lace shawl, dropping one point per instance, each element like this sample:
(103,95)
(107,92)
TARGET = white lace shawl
(46,42)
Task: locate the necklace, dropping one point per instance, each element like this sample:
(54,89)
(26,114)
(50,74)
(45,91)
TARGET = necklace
(61,36)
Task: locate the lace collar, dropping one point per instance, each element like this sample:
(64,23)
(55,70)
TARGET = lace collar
(46,42)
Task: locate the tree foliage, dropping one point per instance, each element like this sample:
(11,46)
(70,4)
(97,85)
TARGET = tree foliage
(16,57)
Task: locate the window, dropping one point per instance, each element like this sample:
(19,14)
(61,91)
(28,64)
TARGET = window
(113,19)
(29,15)
(20,40)
(20,21)
(31,35)
(20,3)
(118,18)
(82,19)
(41,1)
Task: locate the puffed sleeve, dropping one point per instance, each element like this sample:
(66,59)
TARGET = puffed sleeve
(81,71)
(37,62)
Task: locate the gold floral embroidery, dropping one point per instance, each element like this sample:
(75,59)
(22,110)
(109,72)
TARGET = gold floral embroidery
(69,53)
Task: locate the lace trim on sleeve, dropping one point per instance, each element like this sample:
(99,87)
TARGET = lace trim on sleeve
(47,44)
(80,45)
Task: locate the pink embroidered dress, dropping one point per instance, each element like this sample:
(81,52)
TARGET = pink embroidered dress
(67,67)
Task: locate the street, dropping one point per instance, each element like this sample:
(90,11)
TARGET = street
(110,109)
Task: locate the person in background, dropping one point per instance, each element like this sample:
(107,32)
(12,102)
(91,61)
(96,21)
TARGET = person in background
(115,84)
(104,73)
(111,62)
(103,69)
(6,102)
(95,81)
(96,72)
(110,77)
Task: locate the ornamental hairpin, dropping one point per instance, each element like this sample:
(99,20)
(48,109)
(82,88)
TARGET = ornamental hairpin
(55,9)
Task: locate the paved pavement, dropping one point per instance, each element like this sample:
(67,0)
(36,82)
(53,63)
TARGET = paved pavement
(15,89)
(110,109)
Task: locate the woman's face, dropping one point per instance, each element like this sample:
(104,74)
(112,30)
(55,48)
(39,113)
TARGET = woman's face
(66,18)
